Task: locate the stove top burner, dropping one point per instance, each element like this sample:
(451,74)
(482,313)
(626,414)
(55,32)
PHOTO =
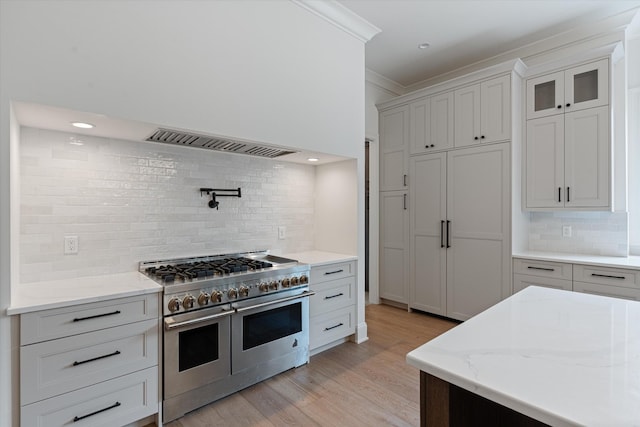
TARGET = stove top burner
(205,269)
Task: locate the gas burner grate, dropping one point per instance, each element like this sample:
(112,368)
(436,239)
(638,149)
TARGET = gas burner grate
(203,269)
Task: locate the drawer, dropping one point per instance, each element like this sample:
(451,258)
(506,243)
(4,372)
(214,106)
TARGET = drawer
(521,281)
(332,326)
(607,290)
(54,367)
(559,270)
(332,295)
(607,276)
(338,270)
(116,402)
(63,322)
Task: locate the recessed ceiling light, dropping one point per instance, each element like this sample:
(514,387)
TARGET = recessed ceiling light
(82,125)
(312,159)
(423,45)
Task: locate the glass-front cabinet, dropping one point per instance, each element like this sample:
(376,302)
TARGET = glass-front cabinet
(577,88)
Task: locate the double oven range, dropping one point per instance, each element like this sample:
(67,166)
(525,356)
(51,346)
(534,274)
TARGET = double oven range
(230,321)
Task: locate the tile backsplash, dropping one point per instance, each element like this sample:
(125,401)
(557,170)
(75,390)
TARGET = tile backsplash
(592,233)
(129,201)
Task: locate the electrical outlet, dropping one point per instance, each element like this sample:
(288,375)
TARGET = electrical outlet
(566,231)
(70,245)
(282,232)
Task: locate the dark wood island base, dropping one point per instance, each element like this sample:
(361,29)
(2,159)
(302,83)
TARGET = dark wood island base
(443,404)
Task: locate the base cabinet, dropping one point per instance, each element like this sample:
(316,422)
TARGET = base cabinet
(92,364)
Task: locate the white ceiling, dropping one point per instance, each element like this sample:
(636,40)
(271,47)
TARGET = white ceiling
(462,32)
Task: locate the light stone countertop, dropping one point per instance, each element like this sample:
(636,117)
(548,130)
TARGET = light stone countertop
(564,358)
(316,258)
(595,260)
(68,292)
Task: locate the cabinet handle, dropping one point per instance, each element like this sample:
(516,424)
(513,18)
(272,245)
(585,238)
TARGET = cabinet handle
(404,180)
(541,268)
(333,327)
(559,194)
(334,296)
(482,137)
(608,276)
(80,319)
(115,353)
(475,137)
(115,405)
(442,234)
(333,272)
(568,198)
(404,201)
(448,234)
(568,105)
(559,107)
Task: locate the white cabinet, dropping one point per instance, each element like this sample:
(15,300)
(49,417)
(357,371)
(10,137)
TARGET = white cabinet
(431,124)
(541,273)
(460,230)
(483,112)
(332,309)
(394,232)
(394,148)
(568,146)
(96,363)
(577,88)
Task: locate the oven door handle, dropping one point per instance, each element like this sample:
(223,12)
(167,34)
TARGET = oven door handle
(265,304)
(171,324)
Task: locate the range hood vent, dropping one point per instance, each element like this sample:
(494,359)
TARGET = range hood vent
(218,144)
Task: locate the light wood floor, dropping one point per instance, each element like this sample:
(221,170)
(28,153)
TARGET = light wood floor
(352,385)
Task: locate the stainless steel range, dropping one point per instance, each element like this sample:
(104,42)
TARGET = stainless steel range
(230,321)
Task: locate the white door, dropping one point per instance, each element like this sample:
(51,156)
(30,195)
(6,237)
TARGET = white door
(478,207)
(587,86)
(587,158)
(420,122)
(467,116)
(393,246)
(394,140)
(545,162)
(495,110)
(442,121)
(427,218)
(545,95)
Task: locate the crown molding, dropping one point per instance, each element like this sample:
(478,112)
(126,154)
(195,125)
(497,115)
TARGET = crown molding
(384,83)
(341,17)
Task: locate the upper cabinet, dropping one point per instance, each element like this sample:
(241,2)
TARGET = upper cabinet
(394,148)
(577,88)
(431,124)
(483,112)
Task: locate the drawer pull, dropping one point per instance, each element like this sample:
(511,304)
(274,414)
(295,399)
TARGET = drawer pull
(541,268)
(333,272)
(76,418)
(333,327)
(79,319)
(608,276)
(334,296)
(115,353)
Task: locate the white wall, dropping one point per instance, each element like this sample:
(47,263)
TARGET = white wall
(271,72)
(633,117)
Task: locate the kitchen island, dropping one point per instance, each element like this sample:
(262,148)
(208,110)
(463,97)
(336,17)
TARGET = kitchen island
(542,356)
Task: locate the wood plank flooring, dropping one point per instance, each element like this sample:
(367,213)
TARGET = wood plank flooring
(352,385)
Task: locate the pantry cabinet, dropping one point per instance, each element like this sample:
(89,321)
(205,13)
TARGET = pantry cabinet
(431,124)
(394,148)
(394,231)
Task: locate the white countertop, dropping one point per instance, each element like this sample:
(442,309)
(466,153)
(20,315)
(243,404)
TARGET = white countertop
(564,358)
(320,257)
(596,260)
(63,293)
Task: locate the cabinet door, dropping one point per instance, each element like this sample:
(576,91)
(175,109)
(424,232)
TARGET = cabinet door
(495,109)
(545,95)
(394,141)
(545,162)
(442,121)
(420,122)
(587,86)
(522,281)
(467,116)
(587,157)
(478,206)
(427,217)
(393,246)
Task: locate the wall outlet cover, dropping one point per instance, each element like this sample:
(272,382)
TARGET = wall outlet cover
(70,245)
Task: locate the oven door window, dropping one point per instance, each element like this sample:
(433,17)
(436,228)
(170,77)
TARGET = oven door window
(197,347)
(271,325)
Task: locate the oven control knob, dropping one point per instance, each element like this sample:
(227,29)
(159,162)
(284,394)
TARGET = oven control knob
(174,304)
(244,291)
(264,287)
(203,298)
(285,283)
(216,296)
(273,285)
(304,279)
(232,293)
(188,302)
(295,281)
